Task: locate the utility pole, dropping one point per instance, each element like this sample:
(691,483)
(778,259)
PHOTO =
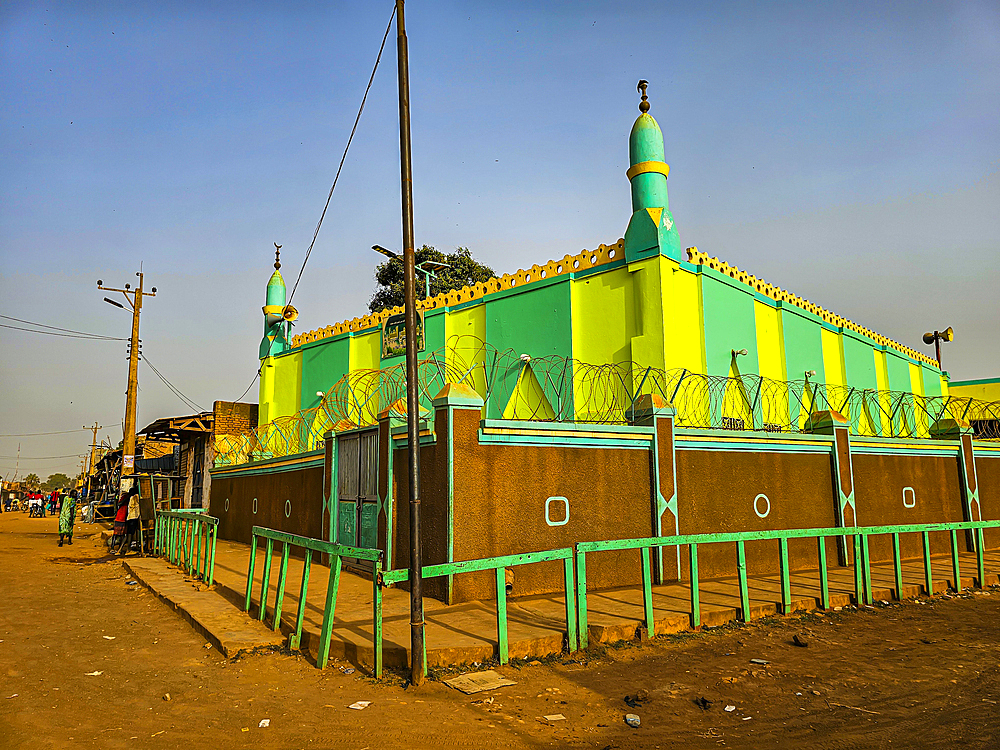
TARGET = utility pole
(93,447)
(134,299)
(412,384)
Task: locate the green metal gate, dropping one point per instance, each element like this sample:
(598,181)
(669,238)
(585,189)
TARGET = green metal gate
(357,491)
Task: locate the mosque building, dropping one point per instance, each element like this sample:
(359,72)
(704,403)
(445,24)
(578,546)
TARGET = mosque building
(637,389)
(643,302)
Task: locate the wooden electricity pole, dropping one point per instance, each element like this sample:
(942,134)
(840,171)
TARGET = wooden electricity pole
(93,447)
(134,299)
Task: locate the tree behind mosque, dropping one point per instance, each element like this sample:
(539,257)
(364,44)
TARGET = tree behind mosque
(464,271)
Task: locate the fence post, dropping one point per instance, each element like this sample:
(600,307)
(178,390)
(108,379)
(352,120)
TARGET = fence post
(980,562)
(859,584)
(928,577)
(741,568)
(329,609)
(211,565)
(866,561)
(897,567)
(253,561)
(954,561)
(571,635)
(502,615)
(265,575)
(581,597)
(300,615)
(199,530)
(377,617)
(786,581)
(824,574)
(647,591)
(279,595)
(695,594)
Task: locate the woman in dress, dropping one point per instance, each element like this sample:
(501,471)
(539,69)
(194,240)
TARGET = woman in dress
(67,515)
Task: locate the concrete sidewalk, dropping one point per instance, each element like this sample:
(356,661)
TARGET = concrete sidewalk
(466,633)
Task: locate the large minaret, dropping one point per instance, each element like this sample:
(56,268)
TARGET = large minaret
(275,339)
(651,229)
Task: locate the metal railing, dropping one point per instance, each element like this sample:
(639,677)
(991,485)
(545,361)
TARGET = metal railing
(187,538)
(499,565)
(336,552)
(862,563)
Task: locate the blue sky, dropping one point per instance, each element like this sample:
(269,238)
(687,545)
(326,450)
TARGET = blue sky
(847,152)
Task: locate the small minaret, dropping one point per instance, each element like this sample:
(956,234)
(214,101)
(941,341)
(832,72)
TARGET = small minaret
(275,339)
(651,229)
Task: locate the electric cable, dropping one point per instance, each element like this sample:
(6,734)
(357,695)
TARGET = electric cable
(249,386)
(88,336)
(43,458)
(190,403)
(342,158)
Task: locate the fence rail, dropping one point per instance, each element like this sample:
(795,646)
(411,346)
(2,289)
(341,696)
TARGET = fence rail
(187,538)
(310,546)
(500,565)
(862,563)
(575,573)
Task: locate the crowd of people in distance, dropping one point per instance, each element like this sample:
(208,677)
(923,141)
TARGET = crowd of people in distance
(128,529)
(57,501)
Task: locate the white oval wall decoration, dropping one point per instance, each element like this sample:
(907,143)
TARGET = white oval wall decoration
(909,497)
(548,515)
(255,506)
(288,508)
(227,504)
(767,506)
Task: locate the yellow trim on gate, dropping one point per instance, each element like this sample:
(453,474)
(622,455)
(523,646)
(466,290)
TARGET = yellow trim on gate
(648,166)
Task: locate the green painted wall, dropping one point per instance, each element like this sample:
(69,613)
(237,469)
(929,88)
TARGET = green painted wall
(898,369)
(729,324)
(322,367)
(932,381)
(803,345)
(535,322)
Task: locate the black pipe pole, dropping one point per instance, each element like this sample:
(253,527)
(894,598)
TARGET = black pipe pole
(412,385)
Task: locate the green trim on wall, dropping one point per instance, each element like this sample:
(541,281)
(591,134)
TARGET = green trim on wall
(271,465)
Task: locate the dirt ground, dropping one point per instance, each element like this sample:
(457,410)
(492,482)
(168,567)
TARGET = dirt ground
(917,675)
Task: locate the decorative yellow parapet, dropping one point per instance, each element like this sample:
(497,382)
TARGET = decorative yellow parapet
(569,263)
(698,258)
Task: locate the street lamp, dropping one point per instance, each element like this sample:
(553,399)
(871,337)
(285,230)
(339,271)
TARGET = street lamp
(427,272)
(936,338)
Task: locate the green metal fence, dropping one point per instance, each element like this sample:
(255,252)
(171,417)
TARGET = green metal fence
(336,552)
(187,538)
(499,566)
(862,563)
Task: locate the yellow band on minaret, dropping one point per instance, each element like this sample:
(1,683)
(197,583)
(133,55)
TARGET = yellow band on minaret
(648,166)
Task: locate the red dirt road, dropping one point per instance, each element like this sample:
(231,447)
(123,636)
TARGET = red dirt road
(915,675)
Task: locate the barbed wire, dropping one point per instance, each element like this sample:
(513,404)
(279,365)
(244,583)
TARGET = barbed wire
(562,389)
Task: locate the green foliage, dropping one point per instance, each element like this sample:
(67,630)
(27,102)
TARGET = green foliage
(56,481)
(32,481)
(464,271)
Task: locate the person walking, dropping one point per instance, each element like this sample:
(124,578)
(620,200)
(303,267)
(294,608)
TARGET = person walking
(67,515)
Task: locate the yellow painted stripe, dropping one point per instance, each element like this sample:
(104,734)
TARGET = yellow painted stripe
(561,434)
(648,166)
(762,441)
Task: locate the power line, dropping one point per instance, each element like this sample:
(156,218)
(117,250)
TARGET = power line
(249,386)
(43,458)
(65,331)
(36,434)
(342,159)
(174,389)
(88,337)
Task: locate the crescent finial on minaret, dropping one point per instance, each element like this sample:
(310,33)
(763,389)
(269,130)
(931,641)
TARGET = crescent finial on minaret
(641,88)
(277,256)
